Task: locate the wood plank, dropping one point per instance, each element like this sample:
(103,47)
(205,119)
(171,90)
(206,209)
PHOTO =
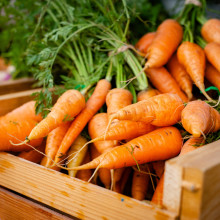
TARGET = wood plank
(13,206)
(70,195)
(16,85)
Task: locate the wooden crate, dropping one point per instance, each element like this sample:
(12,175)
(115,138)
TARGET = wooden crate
(191,191)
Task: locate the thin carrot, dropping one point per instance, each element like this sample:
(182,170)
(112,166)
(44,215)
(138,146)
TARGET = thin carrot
(212,75)
(199,118)
(160,110)
(192,57)
(144,42)
(164,82)
(211,30)
(180,75)
(145,94)
(94,103)
(160,144)
(158,167)
(168,36)
(212,52)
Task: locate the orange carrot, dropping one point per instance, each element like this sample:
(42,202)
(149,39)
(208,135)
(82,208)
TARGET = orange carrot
(160,144)
(44,161)
(192,57)
(168,36)
(140,182)
(145,94)
(158,167)
(164,82)
(158,193)
(160,110)
(212,75)
(67,106)
(94,103)
(33,155)
(180,75)
(212,52)
(211,30)
(144,42)
(200,118)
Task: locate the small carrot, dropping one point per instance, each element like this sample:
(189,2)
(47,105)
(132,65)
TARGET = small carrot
(212,75)
(160,144)
(192,57)
(145,94)
(200,118)
(158,167)
(160,110)
(164,82)
(180,75)
(211,30)
(212,52)
(168,36)
(144,42)
(94,103)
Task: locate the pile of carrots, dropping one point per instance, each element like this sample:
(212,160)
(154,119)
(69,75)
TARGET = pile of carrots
(129,141)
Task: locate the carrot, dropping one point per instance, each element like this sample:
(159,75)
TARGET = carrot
(160,144)
(158,167)
(118,98)
(85,175)
(44,163)
(212,52)
(160,110)
(211,30)
(54,139)
(33,155)
(190,145)
(212,75)
(192,57)
(67,106)
(168,36)
(145,94)
(180,75)
(144,42)
(12,131)
(164,82)
(140,182)
(200,118)
(94,103)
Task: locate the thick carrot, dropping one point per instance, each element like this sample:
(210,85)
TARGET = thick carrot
(212,75)
(211,30)
(118,98)
(144,42)
(200,118)
(67,106)
(94,103)
(192,57)
(212,52)
(160,110)
(140,182)
(180,75)
(160,144)
(146,94)
(164,82)
(168,36)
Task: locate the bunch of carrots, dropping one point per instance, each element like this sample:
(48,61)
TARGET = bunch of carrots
(127,141)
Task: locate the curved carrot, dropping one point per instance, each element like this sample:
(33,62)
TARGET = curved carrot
(145,94)
(144,42)
(164,82)
(211,30)
(94,103)
(160,110)
(212,75)
(212,52)
(200,118)
(192,57)
(160,144)
(180,75)
(168,36)
(67,106)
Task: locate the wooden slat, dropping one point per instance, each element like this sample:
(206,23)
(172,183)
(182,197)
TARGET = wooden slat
(70,195)
(13,206)
(16,85)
